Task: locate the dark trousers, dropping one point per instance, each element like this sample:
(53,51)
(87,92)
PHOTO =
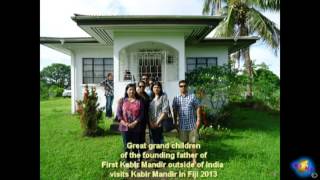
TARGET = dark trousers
(109,100)
(142,138)
(133,137)
(156,136)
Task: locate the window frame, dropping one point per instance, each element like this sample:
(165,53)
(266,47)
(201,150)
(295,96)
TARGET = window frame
(104,69)
(196,62)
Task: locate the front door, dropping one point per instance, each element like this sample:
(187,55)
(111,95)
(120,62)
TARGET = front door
(150,64)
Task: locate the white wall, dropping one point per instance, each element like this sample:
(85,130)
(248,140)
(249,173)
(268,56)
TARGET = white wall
(97,51)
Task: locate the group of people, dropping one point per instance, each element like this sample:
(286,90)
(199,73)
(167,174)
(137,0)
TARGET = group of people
(146,105)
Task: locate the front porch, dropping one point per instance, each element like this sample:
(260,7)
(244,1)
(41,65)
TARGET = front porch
(157,60)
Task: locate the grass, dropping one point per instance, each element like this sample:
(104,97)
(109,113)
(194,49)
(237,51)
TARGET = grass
(250,151)
(64,153)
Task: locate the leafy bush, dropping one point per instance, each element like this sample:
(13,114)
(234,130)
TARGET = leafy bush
(100,113)
(55,91)
(238,88)
(218,86)
(215,85)
(44,91)
(79,109)
(266,87)
(218,117)
(275,100)
(90,114)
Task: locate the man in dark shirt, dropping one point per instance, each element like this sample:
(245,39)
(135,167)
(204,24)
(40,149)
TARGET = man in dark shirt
(146,100)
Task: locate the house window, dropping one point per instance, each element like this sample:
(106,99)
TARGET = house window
(96,69)
(200,62)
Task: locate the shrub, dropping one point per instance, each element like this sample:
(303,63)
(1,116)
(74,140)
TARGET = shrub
(220,85)
(79,109)
(212,82)
(55,91)
(44,91)
(89,112)
(267,88)
(218,117)
(275,100)
(100,113)
(215,85)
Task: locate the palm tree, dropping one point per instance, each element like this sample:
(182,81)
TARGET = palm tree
(243,18)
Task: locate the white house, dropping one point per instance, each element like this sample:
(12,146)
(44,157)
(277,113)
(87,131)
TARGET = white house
(166,47)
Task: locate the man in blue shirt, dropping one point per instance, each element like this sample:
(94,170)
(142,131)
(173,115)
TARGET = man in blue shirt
(186,111)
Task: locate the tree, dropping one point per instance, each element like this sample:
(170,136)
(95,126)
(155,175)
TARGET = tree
(243,18)
(56,74)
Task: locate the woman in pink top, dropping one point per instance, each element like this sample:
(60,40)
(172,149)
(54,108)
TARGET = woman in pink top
(130,114)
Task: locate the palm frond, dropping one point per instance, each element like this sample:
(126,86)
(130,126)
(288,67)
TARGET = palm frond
(273,5)
(224,11)
(267,29)
(226,28)
(207,7)
(212,7)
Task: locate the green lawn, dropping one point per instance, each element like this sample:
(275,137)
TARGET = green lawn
(251,151)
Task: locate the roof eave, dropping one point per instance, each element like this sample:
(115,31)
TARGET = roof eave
(59,44)
(234,44)
(163,19)
(55,40)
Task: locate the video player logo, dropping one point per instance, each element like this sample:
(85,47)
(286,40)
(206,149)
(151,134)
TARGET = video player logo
(304,167)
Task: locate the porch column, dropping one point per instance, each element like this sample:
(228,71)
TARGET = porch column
(73,86)
(182,61)
(116,77)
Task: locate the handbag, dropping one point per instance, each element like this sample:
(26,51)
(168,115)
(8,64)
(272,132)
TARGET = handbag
(167,124)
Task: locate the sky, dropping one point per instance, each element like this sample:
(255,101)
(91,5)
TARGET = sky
(55,21)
